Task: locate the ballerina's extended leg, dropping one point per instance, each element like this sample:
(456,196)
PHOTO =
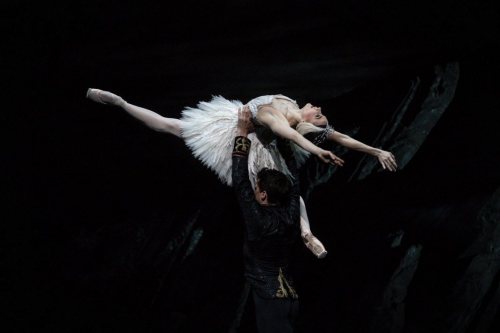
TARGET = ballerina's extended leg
(151,119)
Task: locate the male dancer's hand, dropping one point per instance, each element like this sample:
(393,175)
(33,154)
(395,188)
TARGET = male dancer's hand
(245,124)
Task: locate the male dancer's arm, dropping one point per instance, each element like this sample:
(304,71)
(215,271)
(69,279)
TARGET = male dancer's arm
(246,198)
(296,206)
(285,149)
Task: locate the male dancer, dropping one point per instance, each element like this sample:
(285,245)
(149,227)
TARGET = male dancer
(272,215)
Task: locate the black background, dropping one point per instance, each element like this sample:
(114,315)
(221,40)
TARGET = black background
(86,181)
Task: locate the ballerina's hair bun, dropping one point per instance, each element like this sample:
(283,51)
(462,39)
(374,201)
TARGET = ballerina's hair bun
(317,135)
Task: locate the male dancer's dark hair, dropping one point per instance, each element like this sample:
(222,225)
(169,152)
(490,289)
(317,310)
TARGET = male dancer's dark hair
(276,184)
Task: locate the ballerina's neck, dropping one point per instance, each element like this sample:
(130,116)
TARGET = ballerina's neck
(288,108)
(294,117)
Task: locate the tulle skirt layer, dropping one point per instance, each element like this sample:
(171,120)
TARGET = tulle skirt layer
(209,131)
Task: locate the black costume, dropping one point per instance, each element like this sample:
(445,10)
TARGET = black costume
(270,232)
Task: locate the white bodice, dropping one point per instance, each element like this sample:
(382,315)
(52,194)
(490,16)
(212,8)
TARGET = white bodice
(263,100)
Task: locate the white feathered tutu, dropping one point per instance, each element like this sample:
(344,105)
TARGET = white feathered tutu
(209,131)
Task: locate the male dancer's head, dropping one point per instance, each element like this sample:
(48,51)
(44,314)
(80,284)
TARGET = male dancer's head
(272,187)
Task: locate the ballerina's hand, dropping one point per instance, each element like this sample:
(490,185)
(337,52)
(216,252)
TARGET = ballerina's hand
(387,160)
(329,157)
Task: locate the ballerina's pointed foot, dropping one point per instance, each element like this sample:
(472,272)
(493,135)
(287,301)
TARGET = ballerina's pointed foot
(104,97)
(315,246)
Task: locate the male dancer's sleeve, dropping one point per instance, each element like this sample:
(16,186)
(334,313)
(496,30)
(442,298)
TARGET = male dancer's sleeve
(241,183)
(285,149)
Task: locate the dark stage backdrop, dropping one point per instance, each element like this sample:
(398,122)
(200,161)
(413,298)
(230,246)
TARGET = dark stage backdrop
(113,227)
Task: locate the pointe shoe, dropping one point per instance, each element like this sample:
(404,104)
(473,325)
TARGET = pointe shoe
(315,246)
(104,97)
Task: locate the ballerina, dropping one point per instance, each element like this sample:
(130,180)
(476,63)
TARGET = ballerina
(209,131)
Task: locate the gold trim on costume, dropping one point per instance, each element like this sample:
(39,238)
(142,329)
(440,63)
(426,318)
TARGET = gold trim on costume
(284,285)
(241,145)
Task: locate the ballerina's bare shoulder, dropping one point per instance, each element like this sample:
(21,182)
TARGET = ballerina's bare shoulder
(285,106)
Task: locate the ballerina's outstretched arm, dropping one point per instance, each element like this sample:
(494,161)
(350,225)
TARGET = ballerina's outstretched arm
(386,159)
(275,121)
(151,119)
